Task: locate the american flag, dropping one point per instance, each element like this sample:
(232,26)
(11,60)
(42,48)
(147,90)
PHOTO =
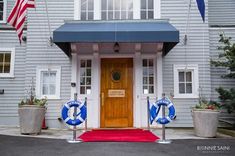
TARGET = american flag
(18,15)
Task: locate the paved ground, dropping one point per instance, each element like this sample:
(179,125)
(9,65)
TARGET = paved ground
(66,134)
(28,146)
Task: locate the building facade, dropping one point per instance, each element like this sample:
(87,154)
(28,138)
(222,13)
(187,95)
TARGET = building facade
(115,73)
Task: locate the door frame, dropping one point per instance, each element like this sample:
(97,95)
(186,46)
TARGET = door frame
(113,56)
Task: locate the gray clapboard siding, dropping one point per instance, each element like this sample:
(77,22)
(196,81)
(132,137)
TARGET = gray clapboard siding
(177,14)
(221,12)
(40,53)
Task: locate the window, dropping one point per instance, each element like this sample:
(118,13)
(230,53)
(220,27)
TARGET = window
(48,82)
(85,77)
(146,9)
(3,5)
(87,9)
(186,81)
(116,9)
(148,76)
(7,58)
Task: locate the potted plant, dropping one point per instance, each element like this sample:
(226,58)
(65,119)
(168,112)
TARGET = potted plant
(205,118)
(31,113)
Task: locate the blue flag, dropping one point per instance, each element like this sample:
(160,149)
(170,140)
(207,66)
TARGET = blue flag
(201,8)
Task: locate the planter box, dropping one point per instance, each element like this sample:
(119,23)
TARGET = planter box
(31,118)
(205,122)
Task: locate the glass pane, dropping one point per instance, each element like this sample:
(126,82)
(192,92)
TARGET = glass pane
(151,62)
(143,4)
(123,5)
(103,15)
(45,89)
(150,4)
(83,63)
(150,14)
(181,76)
(82,81)
(88,81)
(151,89)
(52,77)
(45,76)
(188,88)
(83,16)
(1,6)
(88,90)
(145,62)
(90,5)
(151,71)
(181,88)
(130,5)
(110,15)
(88,72)
(110,4)
(151,80)
(117,5)
(143,15)
(145,90)
(1,58)
(104,5)
(88,63)
(145,71)
(7,57)
(52,89)
(189,76)
(82,90)
(90,15)
(1,67)
(123,14)
(145,80)
(117,15)
(82,72)
(7,68)
(130,15)
(1,16)
(83,4)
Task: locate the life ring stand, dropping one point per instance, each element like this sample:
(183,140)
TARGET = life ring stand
(80,117)
(154,111)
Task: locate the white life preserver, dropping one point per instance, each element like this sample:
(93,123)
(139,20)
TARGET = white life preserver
(80,116)
(154,111)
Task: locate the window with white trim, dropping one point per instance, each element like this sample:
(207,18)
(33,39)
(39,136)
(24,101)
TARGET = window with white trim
(146,9)
(116,9)
(186,81)
(85,76)
(7,60)
(87,9)
(3,5)
(148,76)
(48,82)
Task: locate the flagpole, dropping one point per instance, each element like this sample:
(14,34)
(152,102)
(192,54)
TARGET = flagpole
(49,26)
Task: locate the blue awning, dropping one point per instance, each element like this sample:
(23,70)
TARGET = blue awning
(136,31)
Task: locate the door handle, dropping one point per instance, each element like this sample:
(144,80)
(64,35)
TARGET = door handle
(102,99)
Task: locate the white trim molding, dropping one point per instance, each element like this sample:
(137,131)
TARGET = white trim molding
(157,9)
(39,70)
(12,66)
(195,80)
(4,12)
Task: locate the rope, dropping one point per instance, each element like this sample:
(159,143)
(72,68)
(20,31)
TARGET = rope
(48,22)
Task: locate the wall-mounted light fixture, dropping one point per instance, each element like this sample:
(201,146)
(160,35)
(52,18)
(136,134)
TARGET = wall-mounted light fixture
(116,47)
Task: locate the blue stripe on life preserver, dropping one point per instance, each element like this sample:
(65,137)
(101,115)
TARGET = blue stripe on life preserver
(154,111)
(80,117)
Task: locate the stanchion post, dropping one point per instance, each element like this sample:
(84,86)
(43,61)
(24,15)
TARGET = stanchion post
(148,114)
(163,140)
(86,117)
(74,140)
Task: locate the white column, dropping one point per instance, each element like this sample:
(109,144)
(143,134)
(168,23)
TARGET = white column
(77,7)
(136,9)
(97,9)
(137,86)
(159,75)
(95,117)
(74,73)
(157,9)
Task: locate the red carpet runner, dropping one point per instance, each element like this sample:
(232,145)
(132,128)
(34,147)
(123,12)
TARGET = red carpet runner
(122,135)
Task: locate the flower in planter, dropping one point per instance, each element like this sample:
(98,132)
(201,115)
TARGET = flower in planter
(212,105)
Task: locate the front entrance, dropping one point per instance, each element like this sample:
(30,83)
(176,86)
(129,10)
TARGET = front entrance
(116,93)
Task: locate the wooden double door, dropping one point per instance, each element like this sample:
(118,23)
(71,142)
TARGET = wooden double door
(116,93)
